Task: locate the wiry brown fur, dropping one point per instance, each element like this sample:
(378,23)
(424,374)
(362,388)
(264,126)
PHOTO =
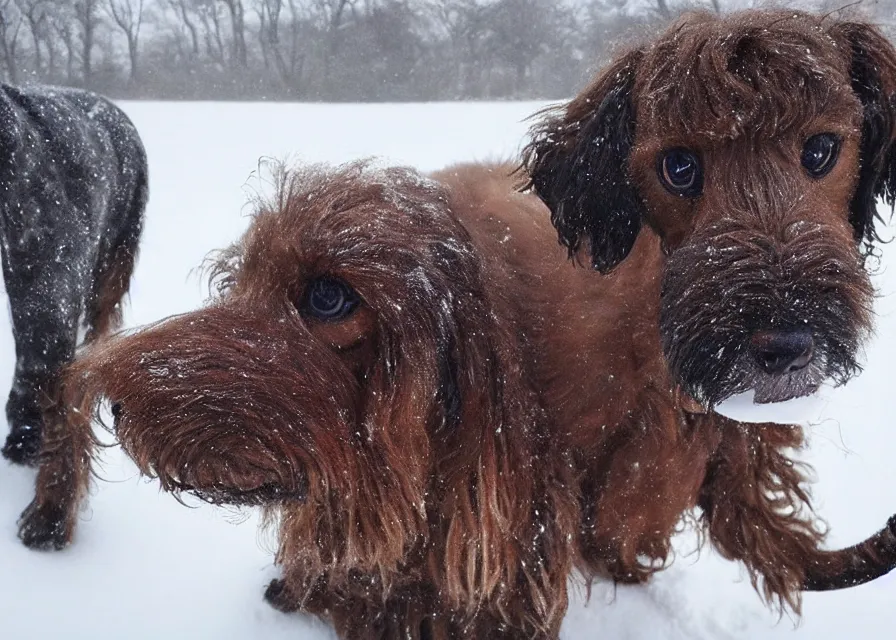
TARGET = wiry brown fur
(763,247)
(412,453)
(404,452)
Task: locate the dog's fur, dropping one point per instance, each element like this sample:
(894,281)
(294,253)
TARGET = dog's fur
(412,452)
(691,280)
(73,187)
(403,451)
(423,457)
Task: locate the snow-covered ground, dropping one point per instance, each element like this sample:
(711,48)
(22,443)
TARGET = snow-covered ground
(143,566)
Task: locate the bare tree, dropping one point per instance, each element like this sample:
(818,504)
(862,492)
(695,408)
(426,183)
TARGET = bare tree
(10,26)
(34,13)
(63,28)
(334,49)
(87,18)
(281,24)
(268,27)
(239,53)
(128,17)
(210,19)
(521,30)
(464,23)
(184,10)
(333,15)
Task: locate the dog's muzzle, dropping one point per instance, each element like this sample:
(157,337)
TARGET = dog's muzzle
(782,352)
(219,477)
(781,365)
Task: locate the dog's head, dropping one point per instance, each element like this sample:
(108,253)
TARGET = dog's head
(351,374)
(755,146)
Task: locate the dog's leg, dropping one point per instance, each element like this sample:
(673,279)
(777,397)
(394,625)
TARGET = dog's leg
(62,478)
(45,305)
(278,595)
(653,471)
(417,616)
(756,507)
(369,617)
(30,382)
(412,614)
(45,291)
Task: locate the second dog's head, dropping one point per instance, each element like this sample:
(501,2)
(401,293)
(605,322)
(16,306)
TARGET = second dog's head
(754,146)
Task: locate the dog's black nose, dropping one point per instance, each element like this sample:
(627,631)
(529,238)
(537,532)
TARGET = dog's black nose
(780,352)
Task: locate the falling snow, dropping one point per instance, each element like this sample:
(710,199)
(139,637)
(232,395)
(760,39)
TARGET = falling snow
(143,567)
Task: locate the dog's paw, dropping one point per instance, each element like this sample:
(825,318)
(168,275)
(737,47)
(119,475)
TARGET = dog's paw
(278,595)
(44,527)
(23,446)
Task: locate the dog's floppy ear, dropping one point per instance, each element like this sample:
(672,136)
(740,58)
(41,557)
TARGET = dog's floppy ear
(873,75)
(494,471)
(577,163)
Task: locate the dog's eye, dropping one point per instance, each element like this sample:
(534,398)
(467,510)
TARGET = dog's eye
(820,154)
(681,173)
(328,299)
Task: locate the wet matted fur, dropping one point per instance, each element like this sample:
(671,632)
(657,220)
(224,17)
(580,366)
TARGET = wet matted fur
(723,178)
(422,456)
(400,448)
(73,187)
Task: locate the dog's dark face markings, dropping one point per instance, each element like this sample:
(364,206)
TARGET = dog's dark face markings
(317,347)
(755,147)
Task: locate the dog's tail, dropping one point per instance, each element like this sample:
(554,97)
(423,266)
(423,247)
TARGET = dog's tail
(855,565)
(115,262)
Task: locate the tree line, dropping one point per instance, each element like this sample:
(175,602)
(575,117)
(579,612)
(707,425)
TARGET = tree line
(335,50)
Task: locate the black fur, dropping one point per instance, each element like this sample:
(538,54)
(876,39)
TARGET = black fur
(705,344)
(580,169)
(43,527)
(449,390)
(877,178)
(73,187)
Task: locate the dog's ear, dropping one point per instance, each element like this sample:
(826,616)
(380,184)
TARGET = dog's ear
(497,481)
(873,76)
(493,468)
(577,162)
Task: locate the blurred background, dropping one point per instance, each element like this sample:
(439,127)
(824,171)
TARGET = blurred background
(335,50)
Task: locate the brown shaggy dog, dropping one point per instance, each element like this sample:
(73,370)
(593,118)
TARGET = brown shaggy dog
(724,177)
(397,370)
(363,377)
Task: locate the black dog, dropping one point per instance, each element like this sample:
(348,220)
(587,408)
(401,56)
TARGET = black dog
(73,188)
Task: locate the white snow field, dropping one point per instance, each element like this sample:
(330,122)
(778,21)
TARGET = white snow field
(142,566)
